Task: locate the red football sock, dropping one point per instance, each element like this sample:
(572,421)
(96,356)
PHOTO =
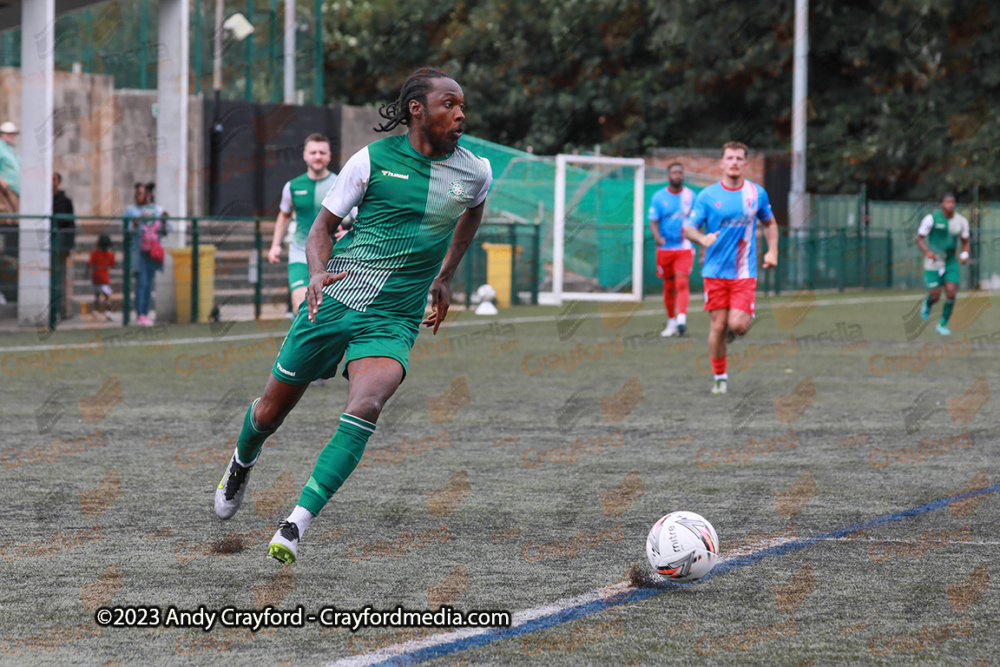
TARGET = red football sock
(719,366)
(683,293)
(669,296)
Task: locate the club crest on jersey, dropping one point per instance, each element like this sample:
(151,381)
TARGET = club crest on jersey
(456,190)
(718,204)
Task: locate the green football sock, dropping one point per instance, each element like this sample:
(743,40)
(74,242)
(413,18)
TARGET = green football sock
(946,311)
(251,439)
(930,302)
(336,462)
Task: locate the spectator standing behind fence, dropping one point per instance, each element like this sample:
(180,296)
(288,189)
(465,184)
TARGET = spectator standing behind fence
(102,259)
(66,238)
(10,169)
(146,225)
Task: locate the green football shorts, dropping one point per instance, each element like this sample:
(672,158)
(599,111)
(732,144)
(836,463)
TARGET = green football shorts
(313,350)
(935,277)
(298,276)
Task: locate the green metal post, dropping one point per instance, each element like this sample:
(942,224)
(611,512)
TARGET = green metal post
(197,47)
(127,269)
(8,49)
(54,274)
(248,88)
(258,247)
(888,257)
(87,38)
(143,22)
(468,273)
(319,64)
(512,239)
(194,270)
(976,240)
(842,274)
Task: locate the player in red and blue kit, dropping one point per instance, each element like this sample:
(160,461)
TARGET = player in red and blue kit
(728,211)
(674,254)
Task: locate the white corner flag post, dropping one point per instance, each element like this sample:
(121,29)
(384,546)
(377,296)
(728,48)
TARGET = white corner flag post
(798,203)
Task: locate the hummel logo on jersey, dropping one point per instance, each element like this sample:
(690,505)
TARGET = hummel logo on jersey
(386,172)
(288,373)
(301,192)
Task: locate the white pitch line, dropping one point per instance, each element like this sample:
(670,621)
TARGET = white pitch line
(519,618)
(464,323)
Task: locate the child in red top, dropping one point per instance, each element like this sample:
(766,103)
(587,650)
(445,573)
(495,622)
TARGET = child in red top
(101,259)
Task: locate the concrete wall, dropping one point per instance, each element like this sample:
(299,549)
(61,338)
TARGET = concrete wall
(84,120)
(139,145)
(105,140)
(356,129)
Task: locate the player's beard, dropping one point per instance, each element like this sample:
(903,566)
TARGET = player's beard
(444,143)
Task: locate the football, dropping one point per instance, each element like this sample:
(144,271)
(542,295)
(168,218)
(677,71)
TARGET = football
(682,547)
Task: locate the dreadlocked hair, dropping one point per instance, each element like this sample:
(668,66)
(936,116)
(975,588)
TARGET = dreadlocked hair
(415,88)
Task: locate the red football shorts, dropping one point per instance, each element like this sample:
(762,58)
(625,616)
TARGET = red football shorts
(670,263)
(732,293)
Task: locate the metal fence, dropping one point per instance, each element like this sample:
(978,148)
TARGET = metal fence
(230,254)
(231,276)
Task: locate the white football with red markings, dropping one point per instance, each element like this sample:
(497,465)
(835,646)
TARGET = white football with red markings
(682,547)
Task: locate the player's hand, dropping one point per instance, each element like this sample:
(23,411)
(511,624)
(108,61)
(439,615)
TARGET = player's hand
(314,292)
(931,256)
(708,239)
(963,258)
(274,254)
(339,234)
(770,259)
(440,301)
(659,240)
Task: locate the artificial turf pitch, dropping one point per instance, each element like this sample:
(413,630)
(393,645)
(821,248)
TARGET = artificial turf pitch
(505,477)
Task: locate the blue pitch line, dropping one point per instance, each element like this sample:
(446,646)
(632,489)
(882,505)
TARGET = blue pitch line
(638,594)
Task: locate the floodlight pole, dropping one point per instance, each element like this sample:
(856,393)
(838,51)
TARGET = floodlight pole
(289,61)
(797,202)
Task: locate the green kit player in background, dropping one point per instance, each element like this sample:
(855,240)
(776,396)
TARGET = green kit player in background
(302,195)
(937,237)
(420,201)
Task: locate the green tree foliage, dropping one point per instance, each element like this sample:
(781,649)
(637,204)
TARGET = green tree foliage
(904,95)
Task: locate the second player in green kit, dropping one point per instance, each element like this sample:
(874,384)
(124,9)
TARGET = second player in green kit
(302,197)
(420,200)
(937,237)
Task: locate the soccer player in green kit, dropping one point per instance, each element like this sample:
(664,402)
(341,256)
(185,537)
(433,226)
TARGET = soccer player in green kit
(936,237)
(420,201)
(302,195)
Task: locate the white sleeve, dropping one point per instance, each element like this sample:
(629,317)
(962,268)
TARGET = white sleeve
(925,226)
(965,227)
(481,197)
(286,199)
(350,187)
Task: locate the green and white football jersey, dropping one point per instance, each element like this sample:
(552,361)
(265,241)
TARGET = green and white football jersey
(408,205)
(304,196)
(939,239)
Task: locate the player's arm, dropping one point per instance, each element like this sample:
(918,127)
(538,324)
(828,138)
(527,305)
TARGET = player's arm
(347,192)
(280,229)
(319,246)
(465,231)
(654,227)
(963,257)
(771,236)
(281,224)
(691,228)
(925,228)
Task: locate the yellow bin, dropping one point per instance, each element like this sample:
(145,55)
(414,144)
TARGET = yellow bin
(182,281)
(498,273)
